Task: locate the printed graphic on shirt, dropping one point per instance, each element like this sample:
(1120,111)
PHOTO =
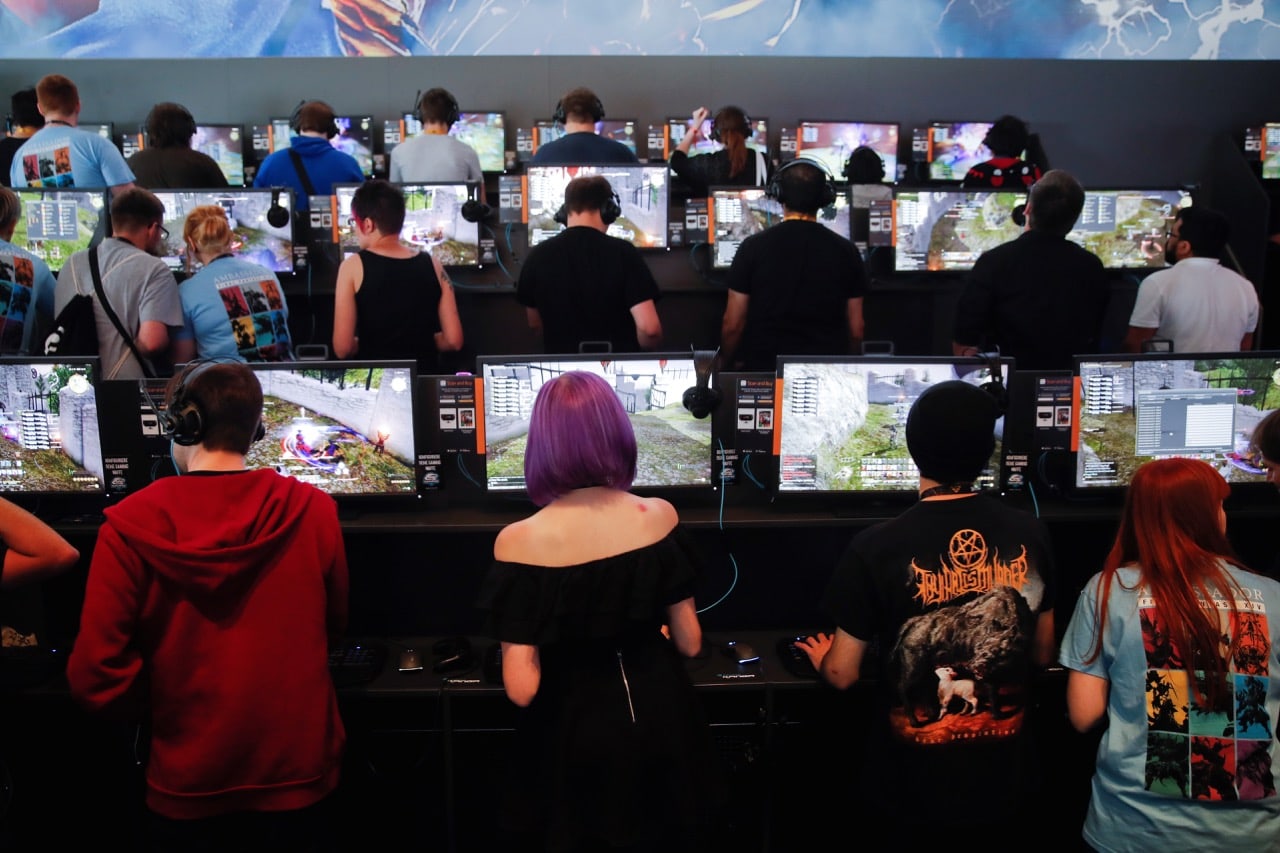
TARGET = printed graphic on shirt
(17,284)
(48,166)
(960,669)
(255,310)
(1201,749)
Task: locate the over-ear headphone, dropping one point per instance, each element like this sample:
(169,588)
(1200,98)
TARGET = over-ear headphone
(454,113)
(775,190)
(595,108)
(725,120)
(1019,212)
(995,385)
(703,397)
(610,210)
(474,210)
(864,166)
(182,422)
(277,213)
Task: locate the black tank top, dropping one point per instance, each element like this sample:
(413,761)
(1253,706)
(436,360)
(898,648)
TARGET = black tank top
(398,308)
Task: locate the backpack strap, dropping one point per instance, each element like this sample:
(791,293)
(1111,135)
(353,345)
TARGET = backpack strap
(111,314)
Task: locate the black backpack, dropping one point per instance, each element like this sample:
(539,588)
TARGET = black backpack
(75,329)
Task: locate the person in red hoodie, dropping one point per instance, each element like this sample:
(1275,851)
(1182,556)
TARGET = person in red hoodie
(211,601)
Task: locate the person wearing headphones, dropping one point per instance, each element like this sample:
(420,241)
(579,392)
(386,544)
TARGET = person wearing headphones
(578,111)
(1007,140)
(211,602)
(796,287)
(583,287)
(168,160)
(310,165)
(734,165)
(434,156)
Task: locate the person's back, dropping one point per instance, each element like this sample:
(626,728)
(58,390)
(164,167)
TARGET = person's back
(61,155)
(310,165)
(1007,140)
(579,111)
(393,290)
(433,156)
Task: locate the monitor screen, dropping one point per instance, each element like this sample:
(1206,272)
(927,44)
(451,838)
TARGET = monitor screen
(433,222)
(280,129)
(225,144)
(1271,151)
(955,147)
(841,424)
(619,130)
(739,212)
(937,230)
(49,427)
(1126,227)
(254,238)
(678,126)
(56,223)
(487,134)
(355,137)
(831,143)
(1130,409)
(345,427)
(642,190)
(673,447)
(105,129)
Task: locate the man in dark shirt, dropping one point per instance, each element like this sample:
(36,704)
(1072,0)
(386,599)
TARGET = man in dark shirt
(169,161)
(1039,298)
(24,120)
(579,111)
(795,288)
(584,286)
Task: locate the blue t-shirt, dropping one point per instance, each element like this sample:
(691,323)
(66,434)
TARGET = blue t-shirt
(26,291)
(583,148)
(1170,773)
(235,309)
(324,164)
(58,156)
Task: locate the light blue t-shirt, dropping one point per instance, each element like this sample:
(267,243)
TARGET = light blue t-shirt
(1171,774)
(60,157)
(236,309)
(26,292)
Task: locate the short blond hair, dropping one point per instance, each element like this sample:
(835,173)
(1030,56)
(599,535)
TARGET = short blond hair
(207,229)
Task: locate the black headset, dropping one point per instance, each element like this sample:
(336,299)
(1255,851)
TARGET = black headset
(702,399)
(863,164)
(330,132)
(596,109)
(995,385)
(455,113)
(473,209)
(610,209)
(186,128)
(1019,212)
(776,191)
(715,124)
(182,422)
(277,213)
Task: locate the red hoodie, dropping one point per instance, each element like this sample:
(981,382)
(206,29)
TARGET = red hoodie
(210,603)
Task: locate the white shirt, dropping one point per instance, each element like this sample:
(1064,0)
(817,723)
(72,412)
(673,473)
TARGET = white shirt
(1198,304)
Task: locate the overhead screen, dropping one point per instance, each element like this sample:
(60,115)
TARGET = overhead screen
(433,222)
(643,191)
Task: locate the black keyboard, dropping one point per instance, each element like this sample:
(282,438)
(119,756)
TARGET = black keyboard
(356,663)
(794,660)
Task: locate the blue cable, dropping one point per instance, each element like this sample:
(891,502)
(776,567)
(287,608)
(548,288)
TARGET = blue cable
(472,480)
(746,469)
(734,583)
(497,254)
(1035,503)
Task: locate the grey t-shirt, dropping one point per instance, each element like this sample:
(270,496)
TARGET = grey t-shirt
(433,157)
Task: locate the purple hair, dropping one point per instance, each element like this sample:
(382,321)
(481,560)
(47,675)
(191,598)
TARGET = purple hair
(579,436)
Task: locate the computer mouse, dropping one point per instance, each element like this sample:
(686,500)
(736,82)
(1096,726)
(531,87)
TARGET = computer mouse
(410,660)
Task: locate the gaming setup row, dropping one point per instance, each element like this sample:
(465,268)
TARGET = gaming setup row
(829,431)
(925,230)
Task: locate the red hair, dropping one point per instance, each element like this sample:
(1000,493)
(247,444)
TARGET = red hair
(1171,532)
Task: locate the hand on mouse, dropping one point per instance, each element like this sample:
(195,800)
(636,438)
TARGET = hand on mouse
(816,647)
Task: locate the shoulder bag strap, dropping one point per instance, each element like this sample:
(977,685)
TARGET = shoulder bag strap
(301,169)
(111,314)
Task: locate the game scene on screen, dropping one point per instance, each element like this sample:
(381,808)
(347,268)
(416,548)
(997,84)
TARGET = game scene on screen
(642,192)
(1271,151)
(433,222)
(253,237)
(355,137)
(346,430)
(486,133)
(57,223)
(843,424)
(225,144)
(678,127)
(740,212)
(49,429)
(948,230)
(1134,410)
(1125,228)
(831,143)
(673,447)
(956,148)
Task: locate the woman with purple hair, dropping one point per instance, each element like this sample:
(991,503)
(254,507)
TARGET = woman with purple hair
(592,600)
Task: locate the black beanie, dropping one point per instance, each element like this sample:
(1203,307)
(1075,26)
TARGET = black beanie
(951,431)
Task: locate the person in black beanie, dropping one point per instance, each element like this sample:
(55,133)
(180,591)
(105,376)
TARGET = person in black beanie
(956,596)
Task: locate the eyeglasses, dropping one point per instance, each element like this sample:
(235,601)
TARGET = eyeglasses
(1169,235)
(164,232)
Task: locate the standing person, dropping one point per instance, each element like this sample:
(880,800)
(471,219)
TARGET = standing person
(211,601)
(579,111)
(1007,140)
(310,165)
(434,156)
(26,285)
(391,301)
(1174,645)
(583,285)
(24,121)
(231,308)
(169,160)
(733,165)
(957,596)
(797,287)
(61,155)
(613,752)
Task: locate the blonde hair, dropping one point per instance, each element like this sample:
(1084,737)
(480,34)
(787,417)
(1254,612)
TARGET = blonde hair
(208,229)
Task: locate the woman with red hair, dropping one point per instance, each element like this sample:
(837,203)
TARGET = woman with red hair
(1172,646)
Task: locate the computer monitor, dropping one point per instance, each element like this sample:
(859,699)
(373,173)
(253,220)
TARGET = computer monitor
(105,129)
(433,222)
(355,137)
(1271,151)
(841,421)
(49,442)
(56,223)
(954,147)
(486,133)
(225,144)
(677,126)
(738,212)
(255,238)
(619,130)
(946,230)
(643,192)
(1126,227)
(1132,408)
(673,447)
(831,143)
(279,131)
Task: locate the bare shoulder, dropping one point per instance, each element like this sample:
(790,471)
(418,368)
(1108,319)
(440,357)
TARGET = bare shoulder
(513,541)
(658,514)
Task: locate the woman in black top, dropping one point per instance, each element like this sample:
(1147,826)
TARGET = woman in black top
(733,165)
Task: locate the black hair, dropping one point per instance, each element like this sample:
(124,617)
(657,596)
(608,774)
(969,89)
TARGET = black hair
(864,166)
(581,104)
(23,106)
(170,125)
(382,202)
(1056,201)
(1206,230)
(438,106)
(803,186)
(1008,137)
